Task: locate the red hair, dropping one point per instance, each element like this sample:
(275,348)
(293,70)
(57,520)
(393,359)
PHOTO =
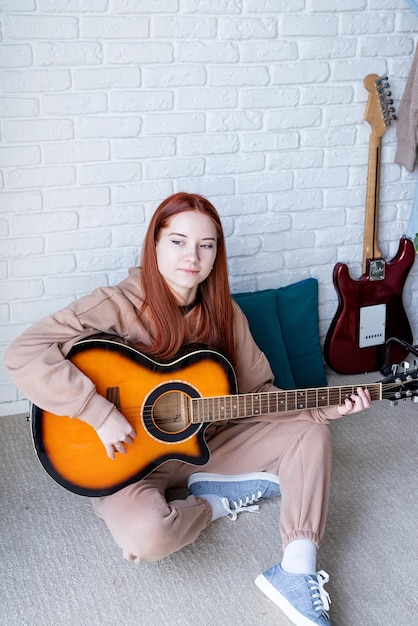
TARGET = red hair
(211,320)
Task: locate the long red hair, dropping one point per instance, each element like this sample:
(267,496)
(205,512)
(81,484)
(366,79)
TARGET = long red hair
(211,320)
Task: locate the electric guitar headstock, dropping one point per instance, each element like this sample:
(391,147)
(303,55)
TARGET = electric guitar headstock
(401,384)
(380,111)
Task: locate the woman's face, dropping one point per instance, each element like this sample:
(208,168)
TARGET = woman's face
(186,251)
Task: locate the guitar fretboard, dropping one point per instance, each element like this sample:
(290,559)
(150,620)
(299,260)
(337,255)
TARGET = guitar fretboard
(237,406)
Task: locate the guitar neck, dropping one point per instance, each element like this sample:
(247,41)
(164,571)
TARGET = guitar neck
(371,225)
(218,408)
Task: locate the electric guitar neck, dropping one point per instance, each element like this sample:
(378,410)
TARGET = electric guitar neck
(379,112)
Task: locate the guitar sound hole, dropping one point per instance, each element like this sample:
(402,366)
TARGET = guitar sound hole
(170,412)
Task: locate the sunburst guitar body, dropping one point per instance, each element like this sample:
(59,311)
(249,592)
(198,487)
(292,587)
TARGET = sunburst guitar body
(153,397)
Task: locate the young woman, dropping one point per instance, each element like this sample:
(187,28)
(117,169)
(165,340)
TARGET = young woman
(180,295)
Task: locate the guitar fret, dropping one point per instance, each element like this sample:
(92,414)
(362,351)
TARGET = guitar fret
(310,398)
(323,397)
(213,409)
(290,405)
(202,404)
(256,411)
(204,414)
(302,399)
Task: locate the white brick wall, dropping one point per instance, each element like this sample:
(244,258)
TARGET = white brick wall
(109,106)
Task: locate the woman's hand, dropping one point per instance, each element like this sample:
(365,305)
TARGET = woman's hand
(115,433)
(356,402)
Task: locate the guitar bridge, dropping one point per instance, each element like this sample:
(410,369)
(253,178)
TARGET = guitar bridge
(377,270)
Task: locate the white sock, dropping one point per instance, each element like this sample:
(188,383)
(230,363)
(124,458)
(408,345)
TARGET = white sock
(218,509)
(299,557)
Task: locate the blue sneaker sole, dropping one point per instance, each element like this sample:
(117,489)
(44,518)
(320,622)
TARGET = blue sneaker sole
(225,478)
(279,600)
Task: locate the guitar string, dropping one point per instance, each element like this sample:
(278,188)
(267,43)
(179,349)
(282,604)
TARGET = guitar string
(264,400)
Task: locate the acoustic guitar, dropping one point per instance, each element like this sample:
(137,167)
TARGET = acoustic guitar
(370,310)
(170,405)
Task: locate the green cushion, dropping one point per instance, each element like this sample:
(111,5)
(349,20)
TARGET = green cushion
(260,309)
(285,325)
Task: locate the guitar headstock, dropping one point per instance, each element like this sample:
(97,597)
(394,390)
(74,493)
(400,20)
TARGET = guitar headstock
(401,385)
(379,110)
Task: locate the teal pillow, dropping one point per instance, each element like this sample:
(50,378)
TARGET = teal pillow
(260,309)
(285,325)
(297,308)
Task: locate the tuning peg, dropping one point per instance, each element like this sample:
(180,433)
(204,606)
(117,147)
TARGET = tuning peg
(414,398)
(405,366)
(394,368)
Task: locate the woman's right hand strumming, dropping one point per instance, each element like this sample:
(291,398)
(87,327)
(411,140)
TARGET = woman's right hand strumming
(115,433)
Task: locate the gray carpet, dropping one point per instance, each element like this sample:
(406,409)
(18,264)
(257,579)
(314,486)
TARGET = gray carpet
(59,566)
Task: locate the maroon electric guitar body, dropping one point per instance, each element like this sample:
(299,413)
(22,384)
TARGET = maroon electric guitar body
(370,309)
(369,312)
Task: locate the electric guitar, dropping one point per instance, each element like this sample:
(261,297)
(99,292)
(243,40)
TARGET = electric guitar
(170,405)
(370,309)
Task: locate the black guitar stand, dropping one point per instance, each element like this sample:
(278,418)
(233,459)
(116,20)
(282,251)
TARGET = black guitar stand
(387,365)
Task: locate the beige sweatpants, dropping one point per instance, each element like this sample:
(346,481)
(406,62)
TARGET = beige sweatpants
(148,528)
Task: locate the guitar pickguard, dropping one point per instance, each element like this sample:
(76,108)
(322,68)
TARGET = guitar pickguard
(372,329)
